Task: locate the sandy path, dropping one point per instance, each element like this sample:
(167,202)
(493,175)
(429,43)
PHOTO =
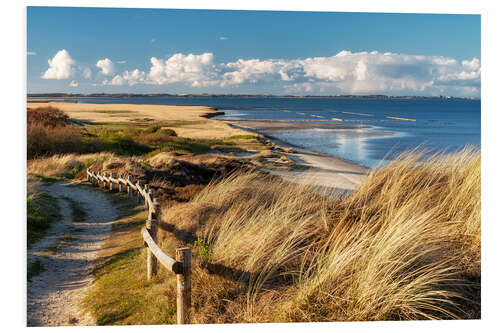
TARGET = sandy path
(54,294)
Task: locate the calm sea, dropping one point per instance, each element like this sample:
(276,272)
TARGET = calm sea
(433,124)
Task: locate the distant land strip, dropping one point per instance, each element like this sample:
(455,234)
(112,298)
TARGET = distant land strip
(126,95)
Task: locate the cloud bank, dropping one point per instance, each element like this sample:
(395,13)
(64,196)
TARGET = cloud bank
(344,73)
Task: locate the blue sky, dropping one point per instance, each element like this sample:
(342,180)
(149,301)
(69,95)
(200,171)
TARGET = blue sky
(194,51)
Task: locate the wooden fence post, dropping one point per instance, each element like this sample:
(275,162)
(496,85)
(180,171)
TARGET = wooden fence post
(146,190)
(105,183)
(120,187)
(111,183)
(183,255)
(151,225)
(129,189)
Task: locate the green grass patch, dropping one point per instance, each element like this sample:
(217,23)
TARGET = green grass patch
(121,293)
(243,137)
(42,211)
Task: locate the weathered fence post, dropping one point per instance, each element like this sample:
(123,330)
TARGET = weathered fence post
(146,190)
(183,255)
(138,184)
(150,192)
(105,182)
(111,183)
(120,188)
(129,189)
(151,225)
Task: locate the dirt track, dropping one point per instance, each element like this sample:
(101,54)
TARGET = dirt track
(54,295)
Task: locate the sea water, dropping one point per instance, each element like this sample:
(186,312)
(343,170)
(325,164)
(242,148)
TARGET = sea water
(384,127)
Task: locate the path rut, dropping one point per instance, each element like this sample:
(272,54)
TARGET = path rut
(55,294)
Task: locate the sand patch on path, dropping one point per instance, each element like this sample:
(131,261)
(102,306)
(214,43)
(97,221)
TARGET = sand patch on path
(54,295)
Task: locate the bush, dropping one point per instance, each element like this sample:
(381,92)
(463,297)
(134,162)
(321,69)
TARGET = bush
(47,140)
(47,116)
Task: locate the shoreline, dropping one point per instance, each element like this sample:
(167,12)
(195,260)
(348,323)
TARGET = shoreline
(325,170)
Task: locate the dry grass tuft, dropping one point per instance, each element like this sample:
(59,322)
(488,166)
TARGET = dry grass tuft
(64,166)
(404,246)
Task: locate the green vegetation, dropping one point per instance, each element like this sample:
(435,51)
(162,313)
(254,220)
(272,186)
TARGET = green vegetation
(50,132)
(203,250)
(42,211)
(121,294)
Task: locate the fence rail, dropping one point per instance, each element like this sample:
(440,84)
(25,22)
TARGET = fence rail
(181,265)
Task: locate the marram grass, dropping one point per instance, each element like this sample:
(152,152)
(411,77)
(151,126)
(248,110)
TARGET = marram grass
(405,245)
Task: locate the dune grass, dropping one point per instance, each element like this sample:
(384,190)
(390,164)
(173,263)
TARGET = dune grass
(404,246)
(63,166)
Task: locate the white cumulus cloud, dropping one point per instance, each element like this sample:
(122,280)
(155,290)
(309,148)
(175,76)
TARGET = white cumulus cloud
(60,66)
(195,70)
(107,67)
(127,77)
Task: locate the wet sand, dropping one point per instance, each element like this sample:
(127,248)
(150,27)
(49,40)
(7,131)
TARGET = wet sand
(323,170)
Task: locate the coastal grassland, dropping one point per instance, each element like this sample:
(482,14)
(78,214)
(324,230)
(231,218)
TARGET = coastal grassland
(195,124)
(404,246)
(50,131)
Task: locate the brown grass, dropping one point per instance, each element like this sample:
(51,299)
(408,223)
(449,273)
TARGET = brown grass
(47,116)
(404,246)
(49,132)
(65,165)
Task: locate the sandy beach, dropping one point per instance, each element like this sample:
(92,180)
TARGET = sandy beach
(323,170)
